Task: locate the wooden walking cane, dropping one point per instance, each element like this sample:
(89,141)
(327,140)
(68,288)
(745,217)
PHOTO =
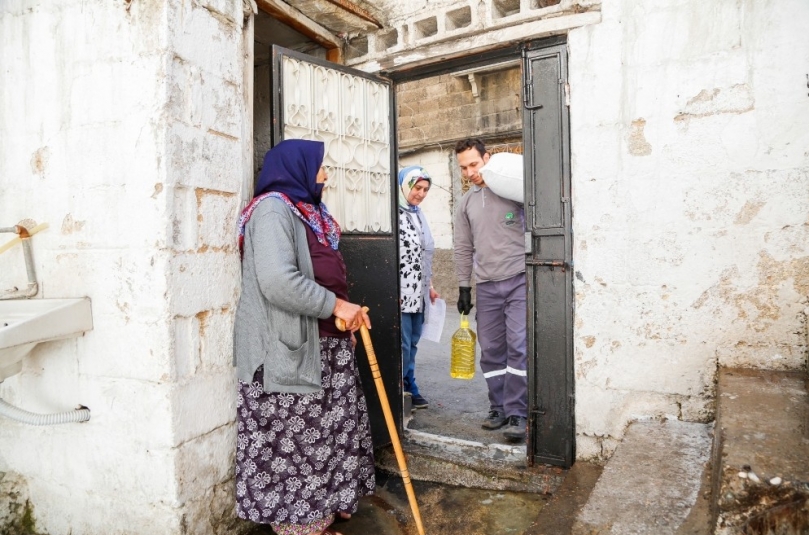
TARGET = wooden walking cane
(394,436)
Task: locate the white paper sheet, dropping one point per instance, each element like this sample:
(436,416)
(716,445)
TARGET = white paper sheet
(435,320)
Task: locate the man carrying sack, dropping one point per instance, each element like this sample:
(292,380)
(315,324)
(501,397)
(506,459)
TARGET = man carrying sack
(489,235)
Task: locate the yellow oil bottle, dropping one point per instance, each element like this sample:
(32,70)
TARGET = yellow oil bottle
(462,362)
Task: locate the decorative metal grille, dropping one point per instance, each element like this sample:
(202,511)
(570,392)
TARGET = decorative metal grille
(350,115)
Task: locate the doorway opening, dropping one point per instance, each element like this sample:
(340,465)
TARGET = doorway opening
(433,113)
(514,99)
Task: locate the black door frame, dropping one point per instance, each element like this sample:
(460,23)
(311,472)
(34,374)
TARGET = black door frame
(551,397)
(552,434)
(549,273)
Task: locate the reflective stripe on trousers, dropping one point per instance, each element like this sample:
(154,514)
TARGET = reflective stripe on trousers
(501,322)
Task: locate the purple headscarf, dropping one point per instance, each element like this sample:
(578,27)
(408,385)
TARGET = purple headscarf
(290,174)
(291,168)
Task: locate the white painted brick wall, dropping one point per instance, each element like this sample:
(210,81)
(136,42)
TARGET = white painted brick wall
(690,195)
(123,132)
(200,160)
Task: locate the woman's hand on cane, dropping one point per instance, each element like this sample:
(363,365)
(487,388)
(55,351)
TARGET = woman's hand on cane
(353,315)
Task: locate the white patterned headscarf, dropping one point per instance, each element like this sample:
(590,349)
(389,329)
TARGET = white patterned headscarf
(408,177)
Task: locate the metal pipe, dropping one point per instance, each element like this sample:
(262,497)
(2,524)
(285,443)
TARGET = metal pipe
(30,291)
(33,286)
(17,414)
(29,264)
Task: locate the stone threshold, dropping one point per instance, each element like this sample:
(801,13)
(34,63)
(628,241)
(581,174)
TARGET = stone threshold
(465,463)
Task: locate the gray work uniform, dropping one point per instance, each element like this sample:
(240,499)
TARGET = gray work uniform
(489,237)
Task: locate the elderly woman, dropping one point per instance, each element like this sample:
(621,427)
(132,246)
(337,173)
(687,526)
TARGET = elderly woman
(416,248)
(304,455)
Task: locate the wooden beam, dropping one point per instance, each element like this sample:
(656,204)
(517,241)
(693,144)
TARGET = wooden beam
(299,22)
(354,9)
(335,55)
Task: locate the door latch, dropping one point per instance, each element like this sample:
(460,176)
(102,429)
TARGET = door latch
(549,263)
(528,89)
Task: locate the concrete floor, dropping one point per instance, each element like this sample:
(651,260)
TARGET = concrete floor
(457,406)
(652,482)
(445,443)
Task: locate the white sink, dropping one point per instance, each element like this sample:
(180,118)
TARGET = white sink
(24,323)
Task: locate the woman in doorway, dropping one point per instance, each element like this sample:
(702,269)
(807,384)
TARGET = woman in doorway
(416,249)
(304,455)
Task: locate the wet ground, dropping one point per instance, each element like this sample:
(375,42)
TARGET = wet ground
(448,510)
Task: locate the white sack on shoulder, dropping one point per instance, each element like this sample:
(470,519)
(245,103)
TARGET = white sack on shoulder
(504,175)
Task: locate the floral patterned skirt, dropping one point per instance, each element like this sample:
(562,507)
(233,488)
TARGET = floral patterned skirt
(302,458)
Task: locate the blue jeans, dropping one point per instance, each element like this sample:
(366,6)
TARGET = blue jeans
(412,323)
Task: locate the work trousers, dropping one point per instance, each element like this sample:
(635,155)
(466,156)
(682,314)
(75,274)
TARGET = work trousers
(501,318)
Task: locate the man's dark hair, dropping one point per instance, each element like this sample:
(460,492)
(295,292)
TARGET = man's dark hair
(472,143)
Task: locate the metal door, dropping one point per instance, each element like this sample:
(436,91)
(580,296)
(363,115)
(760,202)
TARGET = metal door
(552,430)
(352,113)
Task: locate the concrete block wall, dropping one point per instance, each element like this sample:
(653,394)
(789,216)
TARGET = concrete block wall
(690,196)
(415,25)
(122,127)
(435,112)
(444,108)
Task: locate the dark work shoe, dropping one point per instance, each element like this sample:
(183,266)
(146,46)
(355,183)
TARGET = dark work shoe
(419,402)
(515,430)
(495,420)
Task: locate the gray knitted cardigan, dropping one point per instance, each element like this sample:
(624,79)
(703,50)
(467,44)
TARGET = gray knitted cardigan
(280,303)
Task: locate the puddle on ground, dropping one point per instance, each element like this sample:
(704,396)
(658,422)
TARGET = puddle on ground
(445,510)
(448,510)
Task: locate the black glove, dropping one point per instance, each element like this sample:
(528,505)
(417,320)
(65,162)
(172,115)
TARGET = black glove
(465,300)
